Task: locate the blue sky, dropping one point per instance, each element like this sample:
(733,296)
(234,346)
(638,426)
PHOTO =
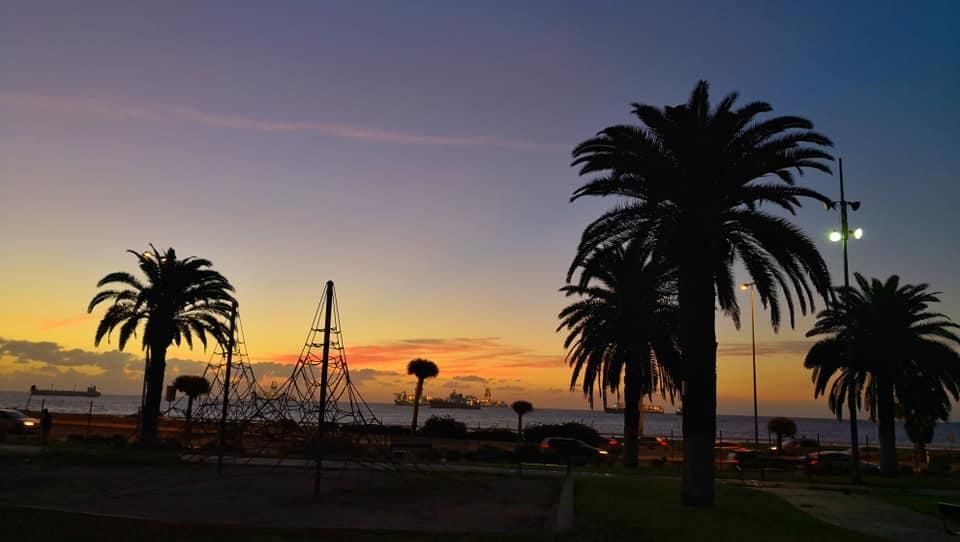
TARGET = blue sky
(418,153)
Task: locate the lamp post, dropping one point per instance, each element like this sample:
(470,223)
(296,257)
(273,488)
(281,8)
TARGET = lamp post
(842,237)
(753,342)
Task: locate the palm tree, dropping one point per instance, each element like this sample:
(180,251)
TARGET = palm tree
(422,369)
(920,412)
(521,408)
(178,300)
(898,352)
(781,427)
(693,179)
(623,322)
(193,387)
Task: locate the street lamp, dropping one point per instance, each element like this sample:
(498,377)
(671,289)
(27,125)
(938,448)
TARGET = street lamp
(753,341)
(843,236)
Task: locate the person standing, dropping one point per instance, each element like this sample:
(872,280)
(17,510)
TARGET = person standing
(46,424)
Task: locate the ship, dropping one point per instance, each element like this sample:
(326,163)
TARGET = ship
(644,408)
(402,399)
(488,402)
(456,400)
(91,391)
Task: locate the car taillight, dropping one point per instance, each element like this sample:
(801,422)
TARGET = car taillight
(545,446)
(814,462)
(612,442)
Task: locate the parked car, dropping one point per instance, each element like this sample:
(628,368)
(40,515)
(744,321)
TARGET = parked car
(835,462)
(14,421)
(755,459)
(797,446)
(570,450)
(648,442)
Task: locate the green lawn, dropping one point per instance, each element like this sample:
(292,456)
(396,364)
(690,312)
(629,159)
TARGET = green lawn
(648,509)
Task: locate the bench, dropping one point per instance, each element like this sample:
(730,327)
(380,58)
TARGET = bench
(950,513)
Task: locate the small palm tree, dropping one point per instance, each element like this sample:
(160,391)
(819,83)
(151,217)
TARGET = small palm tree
(695,180)
(623,328)
(422,369)
(193,387)
(178,300)
(521,408)
(781,427)
(882,344)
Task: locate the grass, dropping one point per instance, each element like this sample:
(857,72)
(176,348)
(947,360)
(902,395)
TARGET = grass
(648,509)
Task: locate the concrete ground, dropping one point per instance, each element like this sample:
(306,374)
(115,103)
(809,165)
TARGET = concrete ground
(261,496)
(857,512)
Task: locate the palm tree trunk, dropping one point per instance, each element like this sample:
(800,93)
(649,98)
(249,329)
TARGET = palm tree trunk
(520,427)
(631,415)
(886,427)
(698,343)
(151,411)
(416,405)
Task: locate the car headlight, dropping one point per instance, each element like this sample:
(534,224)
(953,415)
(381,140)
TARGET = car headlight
(29,423)
(603,452)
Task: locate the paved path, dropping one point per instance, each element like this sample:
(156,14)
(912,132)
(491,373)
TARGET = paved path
(865,515)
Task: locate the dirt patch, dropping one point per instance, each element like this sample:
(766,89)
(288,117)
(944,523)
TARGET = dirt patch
(391,500)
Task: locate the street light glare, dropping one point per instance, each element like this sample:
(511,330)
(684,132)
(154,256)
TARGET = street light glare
(858,233)
(835,236)
(745,286)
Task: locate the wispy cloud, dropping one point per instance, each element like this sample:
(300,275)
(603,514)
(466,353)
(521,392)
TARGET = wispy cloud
(796,347)
(232,121)
(64,322)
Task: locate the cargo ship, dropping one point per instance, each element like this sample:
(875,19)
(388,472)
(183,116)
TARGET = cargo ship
(91,391)
(456,400)
(488,401)
(644,408)
(402,399)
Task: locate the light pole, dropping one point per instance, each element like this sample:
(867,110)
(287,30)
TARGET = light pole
(753,342)
(842,237)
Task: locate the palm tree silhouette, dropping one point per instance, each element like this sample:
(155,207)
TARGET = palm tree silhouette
(178,300)
(899,349)
(693,178)
(781,427)
(193,387)
(422,369)
(521,408)
(624,322)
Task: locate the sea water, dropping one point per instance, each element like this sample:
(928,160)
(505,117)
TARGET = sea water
(737,428)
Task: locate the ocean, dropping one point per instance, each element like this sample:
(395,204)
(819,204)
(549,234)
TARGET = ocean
(729,427)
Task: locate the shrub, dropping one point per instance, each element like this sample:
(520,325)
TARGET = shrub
(496,434)
(444,427)
(527,453)
(492,454)
(575,430)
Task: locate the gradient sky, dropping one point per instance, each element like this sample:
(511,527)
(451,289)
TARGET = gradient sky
(417,153)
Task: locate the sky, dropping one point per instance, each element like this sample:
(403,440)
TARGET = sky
(418,154)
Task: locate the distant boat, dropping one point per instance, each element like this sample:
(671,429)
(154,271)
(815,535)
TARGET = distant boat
(402,399)
(488,401)
(91,391)
(456,400)
(644,408)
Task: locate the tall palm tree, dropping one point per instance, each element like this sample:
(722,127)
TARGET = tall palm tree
(521,408)
(177,300)
(692,179)
(623,326)
(193,387)
(422,369)
(899,353)
(781,427)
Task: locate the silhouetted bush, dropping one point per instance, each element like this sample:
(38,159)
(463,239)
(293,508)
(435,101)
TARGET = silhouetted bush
(492,454)
(527,453)
(444,427)
(537,433)
(496,434)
